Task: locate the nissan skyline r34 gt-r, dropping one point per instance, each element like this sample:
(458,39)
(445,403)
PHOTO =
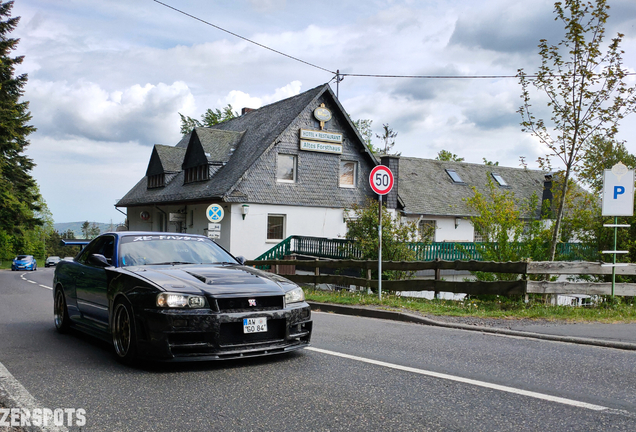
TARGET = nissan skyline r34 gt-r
(172,297)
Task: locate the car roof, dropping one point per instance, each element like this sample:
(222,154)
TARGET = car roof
(149,233)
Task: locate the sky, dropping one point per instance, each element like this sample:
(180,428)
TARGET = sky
(108,78)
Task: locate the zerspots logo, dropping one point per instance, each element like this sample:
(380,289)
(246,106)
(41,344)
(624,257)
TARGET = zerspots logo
(42,417)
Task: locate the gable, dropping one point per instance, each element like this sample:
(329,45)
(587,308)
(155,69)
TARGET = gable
(165,160)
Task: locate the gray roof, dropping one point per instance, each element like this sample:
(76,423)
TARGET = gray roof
(218,145)
(427,189)
(259,128)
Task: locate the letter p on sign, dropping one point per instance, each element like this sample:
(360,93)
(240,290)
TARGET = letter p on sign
(618,192)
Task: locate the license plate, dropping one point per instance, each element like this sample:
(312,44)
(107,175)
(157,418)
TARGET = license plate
(254,325)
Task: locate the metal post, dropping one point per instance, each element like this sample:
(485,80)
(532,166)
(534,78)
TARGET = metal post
(615,249)
(380,246)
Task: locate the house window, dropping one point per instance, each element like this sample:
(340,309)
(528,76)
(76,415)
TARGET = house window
(427,229)
(197,173)
(348,174)
(156,181)
(478,237)
(454,176)
(286,169)
(275,227)
(499,179)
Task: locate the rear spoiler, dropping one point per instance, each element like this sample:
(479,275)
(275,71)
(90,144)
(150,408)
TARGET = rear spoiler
(73,242)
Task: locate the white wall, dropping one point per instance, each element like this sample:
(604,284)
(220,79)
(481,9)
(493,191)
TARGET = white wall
(445,228)
(249,236)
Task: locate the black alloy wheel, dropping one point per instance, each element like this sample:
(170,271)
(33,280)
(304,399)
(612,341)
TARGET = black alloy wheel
(60,312)
(123,330)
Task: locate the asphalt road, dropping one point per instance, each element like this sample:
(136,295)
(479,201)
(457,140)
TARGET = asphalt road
(360,374)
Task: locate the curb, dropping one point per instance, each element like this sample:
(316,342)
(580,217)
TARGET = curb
(406,317)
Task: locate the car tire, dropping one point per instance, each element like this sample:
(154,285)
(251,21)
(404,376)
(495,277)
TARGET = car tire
(60,312)
(123,332)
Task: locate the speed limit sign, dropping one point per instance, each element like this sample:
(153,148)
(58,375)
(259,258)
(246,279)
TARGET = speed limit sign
(381,180)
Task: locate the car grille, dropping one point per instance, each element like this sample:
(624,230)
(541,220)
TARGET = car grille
(243,303)
(232,333)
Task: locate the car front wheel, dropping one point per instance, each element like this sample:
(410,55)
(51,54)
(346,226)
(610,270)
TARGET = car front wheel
(60,312)
(123,330)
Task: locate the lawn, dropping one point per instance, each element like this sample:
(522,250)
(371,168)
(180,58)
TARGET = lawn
(621,310)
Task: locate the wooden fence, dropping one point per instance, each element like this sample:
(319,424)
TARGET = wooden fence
(521,286)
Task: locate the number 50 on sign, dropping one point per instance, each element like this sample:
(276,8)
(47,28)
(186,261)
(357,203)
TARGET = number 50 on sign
(381,180)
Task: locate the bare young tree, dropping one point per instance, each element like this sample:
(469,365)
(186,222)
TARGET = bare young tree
(585,89)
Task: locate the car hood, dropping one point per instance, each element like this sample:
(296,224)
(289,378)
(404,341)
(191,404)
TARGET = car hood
(215,280)
(22,261)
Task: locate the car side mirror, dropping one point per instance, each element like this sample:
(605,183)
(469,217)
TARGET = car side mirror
(98,260)
(241,260)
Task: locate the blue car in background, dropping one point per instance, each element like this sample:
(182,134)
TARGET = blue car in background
(24,262)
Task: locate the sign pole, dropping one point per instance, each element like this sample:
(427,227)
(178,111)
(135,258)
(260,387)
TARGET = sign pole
(380,247)
(615,245)
(381,182)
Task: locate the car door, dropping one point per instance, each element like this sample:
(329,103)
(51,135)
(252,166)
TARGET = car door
(92,281)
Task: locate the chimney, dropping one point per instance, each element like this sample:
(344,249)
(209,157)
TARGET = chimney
(547,195)
(393,162)
(246,110)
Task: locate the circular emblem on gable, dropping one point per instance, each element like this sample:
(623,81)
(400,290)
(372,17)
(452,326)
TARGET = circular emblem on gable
(322,114)
(144,215)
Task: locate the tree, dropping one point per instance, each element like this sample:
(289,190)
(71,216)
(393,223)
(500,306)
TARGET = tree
(601,155)
(208,119)
(19,194)
(510,228)
(89,230)
(445,155)
(585,87)
(388,138)
(364,127)
(362,228)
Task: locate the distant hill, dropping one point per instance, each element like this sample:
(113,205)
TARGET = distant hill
(76,227)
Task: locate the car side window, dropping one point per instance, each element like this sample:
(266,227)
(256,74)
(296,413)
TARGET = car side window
(103,246)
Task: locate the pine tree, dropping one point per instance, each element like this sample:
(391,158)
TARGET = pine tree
(19,195)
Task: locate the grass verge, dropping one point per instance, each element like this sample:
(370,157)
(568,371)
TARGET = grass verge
(620,312)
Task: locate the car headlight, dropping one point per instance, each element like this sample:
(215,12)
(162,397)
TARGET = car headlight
(173,300)
(294,296)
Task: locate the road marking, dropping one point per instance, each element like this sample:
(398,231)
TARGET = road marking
(16,396)
(30,281)
(484,384)
(47,287)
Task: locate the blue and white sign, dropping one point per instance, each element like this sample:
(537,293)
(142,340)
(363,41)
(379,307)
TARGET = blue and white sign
(618,191)
(214,213)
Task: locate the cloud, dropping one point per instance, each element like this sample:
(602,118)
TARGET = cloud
(82,179)
(143,113)
(239,99)
(507,27)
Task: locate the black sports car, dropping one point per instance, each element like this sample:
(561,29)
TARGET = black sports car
(169,296)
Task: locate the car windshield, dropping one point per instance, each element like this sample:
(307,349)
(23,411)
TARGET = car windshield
(168,249)
(22,257)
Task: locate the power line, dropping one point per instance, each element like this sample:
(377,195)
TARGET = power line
(340,76)
(244,38)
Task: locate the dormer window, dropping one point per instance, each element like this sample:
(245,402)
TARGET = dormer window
(499,179)
(197,173)
(156,181)
(454,176)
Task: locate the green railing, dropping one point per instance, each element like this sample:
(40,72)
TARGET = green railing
(344,249)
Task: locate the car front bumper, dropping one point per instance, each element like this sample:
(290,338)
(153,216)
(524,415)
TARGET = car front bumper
(202,334)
